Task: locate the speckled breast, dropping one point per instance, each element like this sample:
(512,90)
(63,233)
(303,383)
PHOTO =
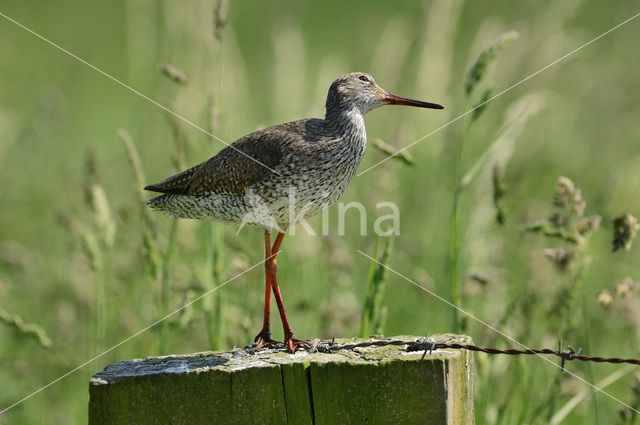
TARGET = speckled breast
(307,185)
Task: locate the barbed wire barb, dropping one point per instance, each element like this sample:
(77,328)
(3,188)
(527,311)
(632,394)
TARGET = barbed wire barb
(428,345)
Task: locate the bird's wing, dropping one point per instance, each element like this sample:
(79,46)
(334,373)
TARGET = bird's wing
(177,184)
(231,171)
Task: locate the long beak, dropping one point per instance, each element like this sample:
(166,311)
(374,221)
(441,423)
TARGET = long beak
(399,100)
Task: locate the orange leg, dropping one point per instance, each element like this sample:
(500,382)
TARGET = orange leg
(271,267)
(264,337)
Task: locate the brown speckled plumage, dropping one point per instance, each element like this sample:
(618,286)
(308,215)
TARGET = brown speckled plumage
(279,175)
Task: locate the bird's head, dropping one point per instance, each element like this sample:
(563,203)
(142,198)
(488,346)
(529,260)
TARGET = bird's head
(360,90)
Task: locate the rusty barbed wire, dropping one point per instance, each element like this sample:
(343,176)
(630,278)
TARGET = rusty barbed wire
(428,345)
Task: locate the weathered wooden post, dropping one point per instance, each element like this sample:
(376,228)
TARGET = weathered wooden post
(373,385)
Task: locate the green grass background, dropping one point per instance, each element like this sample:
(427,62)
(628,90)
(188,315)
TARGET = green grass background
(274,64)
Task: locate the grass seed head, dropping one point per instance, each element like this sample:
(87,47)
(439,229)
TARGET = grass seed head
(625,228)
(27,329)
(560,257)
(174,73)
(587,225)
(481,106)
(626,287)
(568,223)
(569,197)
(104,221)
(499,190)
(479,68)
(605,298)
(403,156)
(220,18)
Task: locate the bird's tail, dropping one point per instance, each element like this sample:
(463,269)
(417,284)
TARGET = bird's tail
(164,204)
(182,206)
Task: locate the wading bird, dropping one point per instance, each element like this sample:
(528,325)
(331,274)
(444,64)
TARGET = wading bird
(278,176)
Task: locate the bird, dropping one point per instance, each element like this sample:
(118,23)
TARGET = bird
(279,175)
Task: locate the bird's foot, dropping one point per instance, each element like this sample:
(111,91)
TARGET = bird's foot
(264,339)
(292,343)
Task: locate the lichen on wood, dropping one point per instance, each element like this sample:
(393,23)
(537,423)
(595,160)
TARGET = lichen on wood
(368,385)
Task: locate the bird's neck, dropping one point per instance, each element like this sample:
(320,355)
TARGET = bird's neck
(347,122)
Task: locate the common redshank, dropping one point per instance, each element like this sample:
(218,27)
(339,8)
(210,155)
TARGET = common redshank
(278,176)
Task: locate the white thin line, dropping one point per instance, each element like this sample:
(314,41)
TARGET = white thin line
(501,93)
(134,90)
(494,329)
(133,336)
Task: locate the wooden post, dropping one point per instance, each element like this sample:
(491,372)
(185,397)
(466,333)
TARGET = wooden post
(373,385)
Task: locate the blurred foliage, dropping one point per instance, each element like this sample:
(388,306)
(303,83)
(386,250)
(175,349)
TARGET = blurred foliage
(374,314)
(174,73)
(389,151)
(80,257)
(480,67)
(625,228)
(26,329)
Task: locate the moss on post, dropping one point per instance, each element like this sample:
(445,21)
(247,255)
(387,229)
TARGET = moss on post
(368,385)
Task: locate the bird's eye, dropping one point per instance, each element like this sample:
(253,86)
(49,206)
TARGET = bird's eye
(363,78)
